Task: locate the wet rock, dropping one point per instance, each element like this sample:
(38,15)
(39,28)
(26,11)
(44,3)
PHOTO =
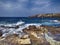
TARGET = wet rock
(16,27)
(1,33)
(2,26)
(38,30)
(32,27)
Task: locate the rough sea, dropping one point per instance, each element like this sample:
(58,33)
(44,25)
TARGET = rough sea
(24,22)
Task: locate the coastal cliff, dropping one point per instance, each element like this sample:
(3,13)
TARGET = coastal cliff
(46,15)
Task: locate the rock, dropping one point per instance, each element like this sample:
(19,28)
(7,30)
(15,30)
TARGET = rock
(31,36)
(14,40)
(51,40)
(25,36)
(32,27)
(1,33)
(16,27)
(38,30)
(36,35)
(24,41)
(38,41)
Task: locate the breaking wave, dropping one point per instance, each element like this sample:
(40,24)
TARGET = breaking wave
(16,28)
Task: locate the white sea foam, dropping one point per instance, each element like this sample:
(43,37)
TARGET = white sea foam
(56,21)
(10,31)
(51,23)
(13,25)
(35,24)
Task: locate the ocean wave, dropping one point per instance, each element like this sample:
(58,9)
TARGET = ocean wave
(16,28)
(8,30)
(55,21)
(12,25)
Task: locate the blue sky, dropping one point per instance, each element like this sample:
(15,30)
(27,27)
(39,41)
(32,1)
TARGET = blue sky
(19,8)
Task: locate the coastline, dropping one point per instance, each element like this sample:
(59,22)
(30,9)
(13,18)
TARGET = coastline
(51,15)
(29,31)
(33,35)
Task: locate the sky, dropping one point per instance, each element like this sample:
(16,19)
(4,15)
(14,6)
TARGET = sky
(23,8)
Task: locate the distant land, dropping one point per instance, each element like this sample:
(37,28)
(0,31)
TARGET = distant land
(46,15)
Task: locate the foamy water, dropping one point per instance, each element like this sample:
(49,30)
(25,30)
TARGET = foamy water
(10,29)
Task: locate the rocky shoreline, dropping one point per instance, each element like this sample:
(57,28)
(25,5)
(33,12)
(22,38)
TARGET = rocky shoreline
(32,36)
(46,15)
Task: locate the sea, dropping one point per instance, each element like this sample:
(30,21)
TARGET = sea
(24,22)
